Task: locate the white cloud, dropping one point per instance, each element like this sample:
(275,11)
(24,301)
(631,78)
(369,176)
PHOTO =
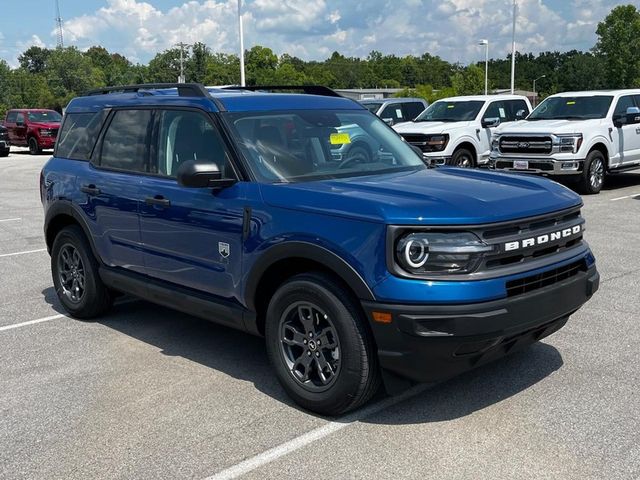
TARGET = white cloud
(449,28)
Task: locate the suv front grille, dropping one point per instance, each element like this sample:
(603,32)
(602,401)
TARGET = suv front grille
(526,145)
(544,279)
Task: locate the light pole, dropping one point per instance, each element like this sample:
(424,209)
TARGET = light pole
(513,49)
(242,82)
(535,93)
(485,42)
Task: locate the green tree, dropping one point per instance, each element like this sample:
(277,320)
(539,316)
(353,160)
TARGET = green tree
(469,81)
(198,62)
(165,66)
(34,59)
(619,46)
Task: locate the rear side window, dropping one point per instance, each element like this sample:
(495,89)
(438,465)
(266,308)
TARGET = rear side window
(126,142)
(79,134)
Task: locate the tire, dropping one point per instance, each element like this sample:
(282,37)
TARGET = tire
(75,275)
(593,173)
(34,148)
(463,158)
(4,153)
(347,357)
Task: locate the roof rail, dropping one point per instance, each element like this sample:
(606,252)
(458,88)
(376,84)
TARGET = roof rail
(307,89)
(184,89)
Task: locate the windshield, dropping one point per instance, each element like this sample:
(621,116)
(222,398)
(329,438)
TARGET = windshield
(572,108)
(372,107)
(304,145)
(443,111)
(48,116)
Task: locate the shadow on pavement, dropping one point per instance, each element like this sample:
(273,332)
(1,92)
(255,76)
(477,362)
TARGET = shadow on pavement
(244,357)
(621,180)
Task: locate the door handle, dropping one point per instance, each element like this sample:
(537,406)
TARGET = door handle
(90,189)
(158,200)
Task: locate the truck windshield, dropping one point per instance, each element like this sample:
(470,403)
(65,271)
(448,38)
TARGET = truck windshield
(304,145)
(572,108)
(48,116)
(444,111)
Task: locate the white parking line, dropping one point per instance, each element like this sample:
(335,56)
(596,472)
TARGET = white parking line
(10,220)
(31,322)
(292,445)
(23,253)
(626,196)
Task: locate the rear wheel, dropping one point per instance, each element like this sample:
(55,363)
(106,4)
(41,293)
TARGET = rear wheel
(319,345)
(75,275)
(34,148)
(463,158)
(592,177)
(4,153)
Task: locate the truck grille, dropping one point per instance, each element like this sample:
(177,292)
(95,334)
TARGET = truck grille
(526,145)
(544,279)
(418,140)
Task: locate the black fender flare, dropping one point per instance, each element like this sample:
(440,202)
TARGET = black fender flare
(309,251)
(65,207)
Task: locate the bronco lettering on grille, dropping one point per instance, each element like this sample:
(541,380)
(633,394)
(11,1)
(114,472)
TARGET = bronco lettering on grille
(542,239)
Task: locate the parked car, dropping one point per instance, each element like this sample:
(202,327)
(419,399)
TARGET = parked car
(33,128)
(396,110)
(4,141)
(577,136)
(457,131)
(228,205)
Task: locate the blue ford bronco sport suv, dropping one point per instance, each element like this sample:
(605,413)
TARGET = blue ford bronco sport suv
(228,204)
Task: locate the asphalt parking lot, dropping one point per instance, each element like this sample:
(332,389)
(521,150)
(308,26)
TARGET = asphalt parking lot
(146,392)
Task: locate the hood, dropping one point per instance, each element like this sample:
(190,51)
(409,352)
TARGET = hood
(549,126)
(443,196)
(45,124)
(429,127)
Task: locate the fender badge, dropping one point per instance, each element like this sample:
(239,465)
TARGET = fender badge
(223,248)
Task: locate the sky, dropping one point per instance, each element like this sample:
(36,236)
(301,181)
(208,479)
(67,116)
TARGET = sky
(311,30)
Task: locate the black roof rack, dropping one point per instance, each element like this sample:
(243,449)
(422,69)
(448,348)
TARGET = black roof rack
(184,89)
(307,89)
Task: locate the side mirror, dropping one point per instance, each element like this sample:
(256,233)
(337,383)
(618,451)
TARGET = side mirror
(490,122)
(521,114)
(192,174)
(633,115)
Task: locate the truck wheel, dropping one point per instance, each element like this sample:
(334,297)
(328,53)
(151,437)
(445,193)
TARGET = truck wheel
(319,345)
(75,275)
(4,153)
(34,148)
(462,158)
(592,177)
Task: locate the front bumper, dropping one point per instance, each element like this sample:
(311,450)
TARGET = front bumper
(427,343)
(541,166)
(47,142)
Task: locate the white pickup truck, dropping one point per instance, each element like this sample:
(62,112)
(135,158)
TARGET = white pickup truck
(575,135)
(457,130)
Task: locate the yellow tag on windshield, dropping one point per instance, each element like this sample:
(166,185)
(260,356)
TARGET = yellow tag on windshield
(339,138)
(571,103)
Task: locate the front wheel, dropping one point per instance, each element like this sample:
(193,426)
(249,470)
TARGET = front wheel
(319,345)
(462,158)
(34,148)
(592,177)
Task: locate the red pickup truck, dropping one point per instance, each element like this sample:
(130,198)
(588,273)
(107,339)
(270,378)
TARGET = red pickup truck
(33,128)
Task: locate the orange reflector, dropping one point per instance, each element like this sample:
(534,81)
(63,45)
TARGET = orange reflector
(381,317)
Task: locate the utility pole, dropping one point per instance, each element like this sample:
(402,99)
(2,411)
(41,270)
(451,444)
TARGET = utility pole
(60,39)
(513,49)
(485,42)
(242,80)
(182,46)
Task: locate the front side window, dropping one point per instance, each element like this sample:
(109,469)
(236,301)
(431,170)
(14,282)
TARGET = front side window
(188,135)
(572,108)
(623,103)
(20,118)
(497,110)
(393,111)
(455,111)
(372,107)
(11,117)
(126,142)
(45,116)
(305,145)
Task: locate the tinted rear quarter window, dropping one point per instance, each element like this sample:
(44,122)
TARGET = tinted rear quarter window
(126,142)
(79,134)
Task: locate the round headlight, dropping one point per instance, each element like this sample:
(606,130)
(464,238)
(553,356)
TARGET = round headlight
(416,252)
